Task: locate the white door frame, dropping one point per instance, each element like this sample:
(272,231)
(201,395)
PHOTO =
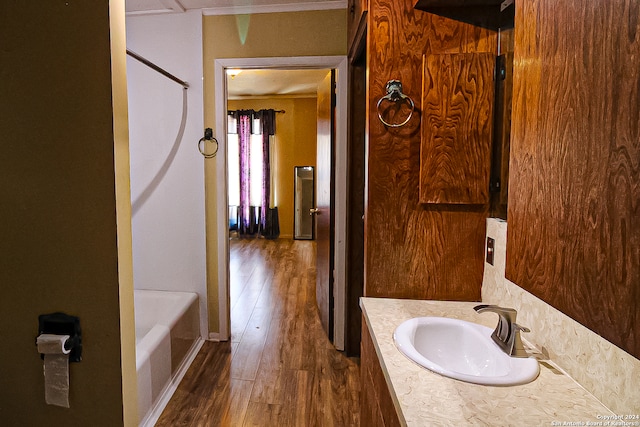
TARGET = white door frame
(339,63)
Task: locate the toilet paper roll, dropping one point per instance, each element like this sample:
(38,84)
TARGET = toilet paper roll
(56,368)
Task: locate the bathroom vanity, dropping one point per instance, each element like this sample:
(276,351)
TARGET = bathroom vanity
(396,391)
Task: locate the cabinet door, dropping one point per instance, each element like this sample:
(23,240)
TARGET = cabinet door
(457,122)
(376,405)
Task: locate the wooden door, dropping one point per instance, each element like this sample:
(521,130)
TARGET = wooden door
(324,202)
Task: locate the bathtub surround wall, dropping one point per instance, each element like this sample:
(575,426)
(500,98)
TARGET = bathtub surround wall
(605,370)
(167,175)
(167,341)
(65,242)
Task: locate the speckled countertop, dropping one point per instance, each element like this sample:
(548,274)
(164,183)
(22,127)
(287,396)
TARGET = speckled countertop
(425,398)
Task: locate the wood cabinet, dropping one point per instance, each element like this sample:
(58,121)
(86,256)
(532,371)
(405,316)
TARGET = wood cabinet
(457,118)
(492,14)
(376,406)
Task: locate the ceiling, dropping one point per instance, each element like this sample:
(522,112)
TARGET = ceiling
(268,83)
(218,7)
(250,83)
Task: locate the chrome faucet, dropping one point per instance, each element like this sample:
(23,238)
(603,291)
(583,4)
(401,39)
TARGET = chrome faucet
(507,333)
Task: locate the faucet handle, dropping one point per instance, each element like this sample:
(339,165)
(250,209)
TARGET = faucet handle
(517,348)
(496,309)
(506,320)
(521,328)
(507,332)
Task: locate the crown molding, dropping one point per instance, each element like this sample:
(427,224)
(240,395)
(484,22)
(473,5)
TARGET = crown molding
(170,6)
(277,96)
(151,12)
(274,8)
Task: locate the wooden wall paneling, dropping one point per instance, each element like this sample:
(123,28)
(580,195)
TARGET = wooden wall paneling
(355,197)
(412,251)
(502,126)
(499,184)
(356,19)
(506,41)
(504,138)
(457,119)
(503,134)
(574,195)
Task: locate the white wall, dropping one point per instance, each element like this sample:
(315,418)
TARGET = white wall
(167,179)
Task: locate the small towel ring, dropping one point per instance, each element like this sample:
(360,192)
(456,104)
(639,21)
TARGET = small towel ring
(208,136)
(394,94)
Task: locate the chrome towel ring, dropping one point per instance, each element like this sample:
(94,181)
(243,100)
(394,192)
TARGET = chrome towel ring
(208,136)
(394,94)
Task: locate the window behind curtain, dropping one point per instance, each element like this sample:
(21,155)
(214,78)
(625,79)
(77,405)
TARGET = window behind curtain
(256,166)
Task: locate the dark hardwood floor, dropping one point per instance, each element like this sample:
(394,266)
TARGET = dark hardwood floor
(279,368)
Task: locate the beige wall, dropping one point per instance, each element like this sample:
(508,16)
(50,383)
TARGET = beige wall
(295,146)
(313,33)
(123,212)
(59,245)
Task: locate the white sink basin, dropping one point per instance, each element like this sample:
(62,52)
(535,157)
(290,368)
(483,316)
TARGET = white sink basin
(461,350)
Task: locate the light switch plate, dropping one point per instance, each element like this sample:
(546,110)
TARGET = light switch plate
(490,250)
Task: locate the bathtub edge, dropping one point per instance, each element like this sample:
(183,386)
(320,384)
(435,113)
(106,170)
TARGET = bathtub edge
(153,415)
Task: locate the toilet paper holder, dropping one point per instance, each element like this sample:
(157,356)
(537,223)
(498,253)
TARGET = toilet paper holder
(63,324)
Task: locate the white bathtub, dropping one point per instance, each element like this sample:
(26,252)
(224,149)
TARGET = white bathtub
(167,339)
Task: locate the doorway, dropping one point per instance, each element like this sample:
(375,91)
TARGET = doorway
(339,63)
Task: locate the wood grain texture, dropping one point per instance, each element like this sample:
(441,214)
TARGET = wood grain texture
(502,129)
(574,196)
(376,408)
(457,118)
(506,98)
(412,251)
(355,199)
(499,185)
(357,10)
(325,194)
(485,13)
(288,373)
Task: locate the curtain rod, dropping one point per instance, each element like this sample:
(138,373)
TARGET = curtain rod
(158,69)
(275,111)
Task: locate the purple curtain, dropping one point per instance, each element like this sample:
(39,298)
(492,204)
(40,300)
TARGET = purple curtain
(245,225)
(253,220)
(269,226)
(266,176)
